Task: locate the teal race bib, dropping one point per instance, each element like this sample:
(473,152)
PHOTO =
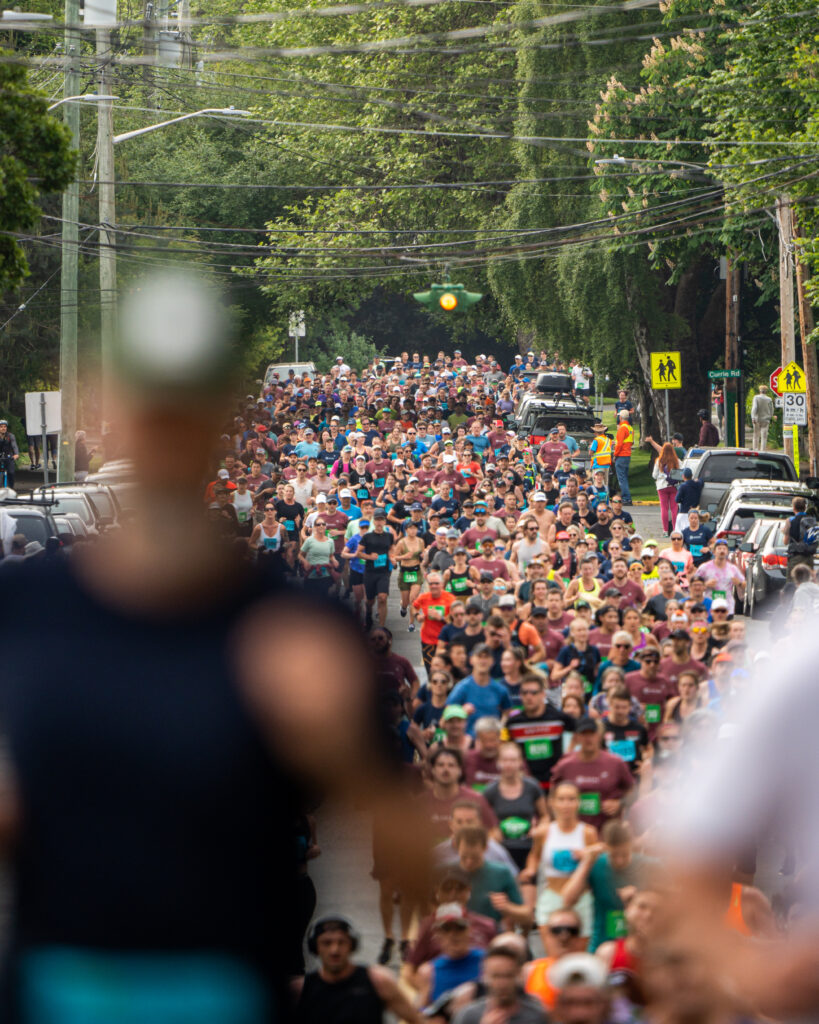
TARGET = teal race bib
(626,749)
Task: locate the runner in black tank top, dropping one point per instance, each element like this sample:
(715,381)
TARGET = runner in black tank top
(353,1000)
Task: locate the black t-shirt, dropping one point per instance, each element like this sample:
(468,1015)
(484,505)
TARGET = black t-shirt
(657,603)
(540,739)
(378,544)
(290,516)
(601,531)
(627,742)
(155,816)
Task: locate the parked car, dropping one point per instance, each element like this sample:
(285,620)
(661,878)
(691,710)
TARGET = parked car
(70,528)
(747,500)
(33,518)
(717,468)
(104,503)
(749,545)
(283,370)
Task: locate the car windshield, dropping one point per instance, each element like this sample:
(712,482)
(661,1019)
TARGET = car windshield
(574,424)
(69,503)
(723,468)
(102,503)
(744,518)
(34,527)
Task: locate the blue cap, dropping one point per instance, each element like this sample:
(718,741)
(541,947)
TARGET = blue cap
(687,473)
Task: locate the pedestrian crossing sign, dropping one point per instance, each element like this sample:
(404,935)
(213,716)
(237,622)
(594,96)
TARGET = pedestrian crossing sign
(665,370)
(792,379)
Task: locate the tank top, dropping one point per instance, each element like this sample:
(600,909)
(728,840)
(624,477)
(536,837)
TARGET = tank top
(270,542)
(243,503)
(351,1001)
(527,551)
(734,918)
(449,973)
(538,984)
(459,582)
(622,960)
(556,860)
(592,597)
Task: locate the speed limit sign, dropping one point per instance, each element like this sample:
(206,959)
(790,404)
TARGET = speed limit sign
(794,410)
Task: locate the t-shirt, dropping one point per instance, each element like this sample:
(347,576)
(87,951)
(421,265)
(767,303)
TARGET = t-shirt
(672,671)
(528,1011)
(479,771)
(605,777)
(290,516)
(489,699)
(540,739)
(431,628)
(681,560)
(697,543)
(630,593)
(491,878)
(517,816)
(608,920)
(651,693)
(724,578)
(588,662)
(628,742)
(378,544)
(472,537)
(497,566)
(439,810)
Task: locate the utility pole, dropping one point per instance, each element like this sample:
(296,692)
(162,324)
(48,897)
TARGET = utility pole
(809,361)
(784,218)
(107,220)
(70,255)
(734,420)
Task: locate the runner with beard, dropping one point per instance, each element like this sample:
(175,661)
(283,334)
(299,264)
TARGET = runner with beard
(539,729)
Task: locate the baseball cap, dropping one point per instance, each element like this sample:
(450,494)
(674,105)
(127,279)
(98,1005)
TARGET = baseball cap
(445,430)
(586,724)
(345,493)
(720,603)
(507,601)
(453,711)
(679,634)
(379,513)
(539,612)
(451,913)
(578,969)
(416,506)
(562,536)
(321,499)
(636,536)
(538,496)
(651,543)
(452,533)
(223,474)
(481,649)
(486,576)
(442,531)
(449,458)
(362,523)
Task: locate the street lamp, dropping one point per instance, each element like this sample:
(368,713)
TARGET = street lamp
(207,112)
(88,97)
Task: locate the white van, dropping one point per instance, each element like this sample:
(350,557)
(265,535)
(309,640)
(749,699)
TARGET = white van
(283,370)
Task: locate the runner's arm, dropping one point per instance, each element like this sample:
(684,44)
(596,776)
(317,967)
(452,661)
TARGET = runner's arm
(394,999)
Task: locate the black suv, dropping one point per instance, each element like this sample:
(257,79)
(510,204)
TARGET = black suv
(538,413)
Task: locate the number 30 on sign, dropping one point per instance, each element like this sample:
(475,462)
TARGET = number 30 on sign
(794,409)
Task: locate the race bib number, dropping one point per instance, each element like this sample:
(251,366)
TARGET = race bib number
(380,482)
(242,517)
(459,586)
(589,803)
(696,550)
(537,750)
(563,860)
(290,525)
(479,787)
(625,749)
(514,827)
(380,561)
(653,713)
(362,492)
(410,575)
(438,736)
(718,595)
(271,543)
(615,924)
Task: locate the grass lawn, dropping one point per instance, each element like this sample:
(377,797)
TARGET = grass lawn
(640,479)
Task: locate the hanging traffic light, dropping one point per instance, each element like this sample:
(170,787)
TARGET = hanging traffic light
(451,298)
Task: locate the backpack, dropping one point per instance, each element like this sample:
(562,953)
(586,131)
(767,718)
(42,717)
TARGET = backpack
(808,540)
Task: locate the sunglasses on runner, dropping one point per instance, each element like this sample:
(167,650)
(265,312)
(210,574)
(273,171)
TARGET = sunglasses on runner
(269,508)
(564,929)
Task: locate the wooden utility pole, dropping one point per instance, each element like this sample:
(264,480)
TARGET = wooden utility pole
(734,421)
(784,217)
(70,253)
(809,361)
(107,220)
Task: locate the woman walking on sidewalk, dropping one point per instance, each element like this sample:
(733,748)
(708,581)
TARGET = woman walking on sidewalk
(666,463)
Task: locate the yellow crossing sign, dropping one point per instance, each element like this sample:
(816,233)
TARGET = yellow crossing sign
(792,379)
(666,370)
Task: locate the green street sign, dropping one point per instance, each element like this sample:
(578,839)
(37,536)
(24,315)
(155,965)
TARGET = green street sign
(719,374)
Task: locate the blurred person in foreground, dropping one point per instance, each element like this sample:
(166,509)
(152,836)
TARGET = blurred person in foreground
(159,746)
(760,778)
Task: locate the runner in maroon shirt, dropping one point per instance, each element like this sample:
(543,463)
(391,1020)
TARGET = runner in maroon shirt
(650,688)
(680,660)
(629,591)
(446,772)
(602,778)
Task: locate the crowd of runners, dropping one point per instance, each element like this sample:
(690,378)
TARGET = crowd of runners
(572,670)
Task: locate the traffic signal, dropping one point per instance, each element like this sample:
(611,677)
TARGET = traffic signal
(451,298)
